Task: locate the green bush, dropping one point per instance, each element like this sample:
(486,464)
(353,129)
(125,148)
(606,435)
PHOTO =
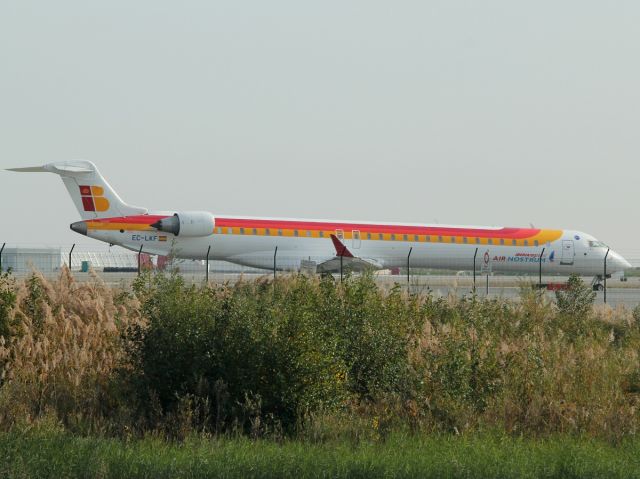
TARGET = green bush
(577,300)
(313,357)
(7,302)
(271,352)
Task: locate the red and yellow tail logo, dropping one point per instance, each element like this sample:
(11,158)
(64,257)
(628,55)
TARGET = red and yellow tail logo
(93,199)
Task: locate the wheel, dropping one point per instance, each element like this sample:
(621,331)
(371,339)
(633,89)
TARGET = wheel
(598,287)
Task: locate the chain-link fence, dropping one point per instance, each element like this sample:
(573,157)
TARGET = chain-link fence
(116,265)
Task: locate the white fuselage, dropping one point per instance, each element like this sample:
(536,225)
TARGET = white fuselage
(263,242)
(569,251)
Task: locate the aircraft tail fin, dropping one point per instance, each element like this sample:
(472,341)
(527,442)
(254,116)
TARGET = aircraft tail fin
(91,193)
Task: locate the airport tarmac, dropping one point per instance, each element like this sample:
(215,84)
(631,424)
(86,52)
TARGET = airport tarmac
(629,297)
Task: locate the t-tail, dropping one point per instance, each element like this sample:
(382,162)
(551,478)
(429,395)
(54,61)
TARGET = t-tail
(91,193)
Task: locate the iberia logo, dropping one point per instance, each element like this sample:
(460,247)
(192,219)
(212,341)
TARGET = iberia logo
(93,199)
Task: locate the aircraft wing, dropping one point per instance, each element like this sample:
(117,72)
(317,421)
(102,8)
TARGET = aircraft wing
(346,260)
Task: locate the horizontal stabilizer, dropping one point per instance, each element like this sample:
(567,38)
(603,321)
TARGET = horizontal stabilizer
(90,192)
(61,169)
(31,169)
(57,168)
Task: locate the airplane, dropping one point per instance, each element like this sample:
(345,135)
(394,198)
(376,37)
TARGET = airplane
(327,245)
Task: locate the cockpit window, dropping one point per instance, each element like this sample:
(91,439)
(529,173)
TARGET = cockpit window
(597,244)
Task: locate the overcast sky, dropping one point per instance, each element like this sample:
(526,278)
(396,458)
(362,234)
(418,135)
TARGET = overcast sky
(459,112)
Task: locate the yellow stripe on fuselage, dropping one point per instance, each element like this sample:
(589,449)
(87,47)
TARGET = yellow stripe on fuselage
(541,238)
(99,226)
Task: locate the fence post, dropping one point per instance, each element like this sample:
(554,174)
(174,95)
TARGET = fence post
(70,252)
(474,270)
(409,265)
(207,270)
(540,269)
(139,254)
(341,268)
(1,250)
(275,253)
(605,276)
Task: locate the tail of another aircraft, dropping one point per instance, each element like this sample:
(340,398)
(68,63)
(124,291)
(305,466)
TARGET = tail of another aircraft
(92,195)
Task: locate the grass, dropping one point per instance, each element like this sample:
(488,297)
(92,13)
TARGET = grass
(309,377)
(59,454)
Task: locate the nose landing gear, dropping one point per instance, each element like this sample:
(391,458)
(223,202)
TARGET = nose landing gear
(596,284)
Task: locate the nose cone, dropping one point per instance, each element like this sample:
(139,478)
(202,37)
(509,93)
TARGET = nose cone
(79,227)
(617,263)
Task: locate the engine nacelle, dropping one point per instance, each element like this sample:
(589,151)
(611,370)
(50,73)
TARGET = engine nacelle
(187,224)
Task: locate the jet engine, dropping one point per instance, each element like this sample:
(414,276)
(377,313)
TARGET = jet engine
(187,224)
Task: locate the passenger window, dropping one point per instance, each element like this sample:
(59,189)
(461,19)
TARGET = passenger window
(267,232)
(308,233)
(464,240)
(453,239)
(501,240)
(477,240)
(230,231)
(279,232)
(321,234)
(393,237)
(490,240)
(380,236)
(405,237)
(241,231)
(535,242)
(526,242)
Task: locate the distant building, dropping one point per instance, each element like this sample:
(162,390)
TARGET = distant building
(46,260)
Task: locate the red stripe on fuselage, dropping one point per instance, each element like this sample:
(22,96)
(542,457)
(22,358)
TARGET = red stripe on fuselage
(507,233)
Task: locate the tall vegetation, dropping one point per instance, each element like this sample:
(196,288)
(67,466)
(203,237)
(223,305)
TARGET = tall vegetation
(312,358)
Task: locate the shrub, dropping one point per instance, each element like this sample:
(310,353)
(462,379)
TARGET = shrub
(313,357)
(7,302)
(251,352)
(291,346)
(64,349)
(636,314)
(577,300)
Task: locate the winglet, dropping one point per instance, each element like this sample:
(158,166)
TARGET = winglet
(341,249)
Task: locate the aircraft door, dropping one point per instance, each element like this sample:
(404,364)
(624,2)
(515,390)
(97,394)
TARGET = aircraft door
(568,252)
(355,239)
